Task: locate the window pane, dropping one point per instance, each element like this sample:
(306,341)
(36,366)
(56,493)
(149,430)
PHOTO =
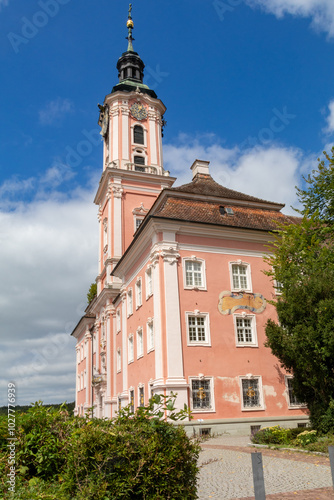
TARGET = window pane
(196,325)
(239,276)
(138,134)
(244,330)
(193,273)
(201,393)
(250,393)
(292,398)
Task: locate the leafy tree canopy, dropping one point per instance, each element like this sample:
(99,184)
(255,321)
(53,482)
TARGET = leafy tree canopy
(318,197)
(92,292)
(303,264)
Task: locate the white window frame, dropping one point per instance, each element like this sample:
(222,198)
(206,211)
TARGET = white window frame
(139,293)
(118,360)
(129,300)
(149,282)
(212,408)
(150,334)
(194,259)
(291,406)
(252,318)
(118,320)
(205,316)
(261,406)
(140,342)
(131,349)
(249,287)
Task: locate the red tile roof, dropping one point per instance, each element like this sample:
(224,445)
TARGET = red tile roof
(203,184)
(209,212)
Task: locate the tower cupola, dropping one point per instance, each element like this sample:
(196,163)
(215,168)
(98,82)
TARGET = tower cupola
(130,66)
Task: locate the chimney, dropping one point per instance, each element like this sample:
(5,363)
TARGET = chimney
(200,167)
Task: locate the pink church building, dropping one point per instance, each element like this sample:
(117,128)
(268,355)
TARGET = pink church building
(182,300)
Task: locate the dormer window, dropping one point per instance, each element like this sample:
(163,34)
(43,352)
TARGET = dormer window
(138,134)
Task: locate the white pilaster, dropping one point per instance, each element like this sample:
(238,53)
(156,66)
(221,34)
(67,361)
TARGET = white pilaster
(153,139)
(114,112)
(124,344)
(159,376)
(117,219)
(125,135)
(175,371)
(109,333)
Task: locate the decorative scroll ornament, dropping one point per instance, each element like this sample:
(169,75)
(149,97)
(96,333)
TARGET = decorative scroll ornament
(229,302)
(170,255)
(201,393)
(250,392)
(117,191)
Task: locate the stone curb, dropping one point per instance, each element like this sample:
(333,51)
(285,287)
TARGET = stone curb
(288,449)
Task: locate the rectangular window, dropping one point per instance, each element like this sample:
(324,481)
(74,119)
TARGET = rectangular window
(240,277)
(198,328)
(193,273)
(138,294)
(138,221)
(130,349)
(118,360)
(118,320)
(149,282)
(251,396)
(141,396)
(150,335)
(201,396)
(140,343)
(130,303)
(245,328)
(293,401)
(132,401)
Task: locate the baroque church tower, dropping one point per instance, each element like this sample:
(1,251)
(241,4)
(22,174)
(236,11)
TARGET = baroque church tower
(131,120)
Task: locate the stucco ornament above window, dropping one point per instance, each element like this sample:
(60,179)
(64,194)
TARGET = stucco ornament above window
(229,302)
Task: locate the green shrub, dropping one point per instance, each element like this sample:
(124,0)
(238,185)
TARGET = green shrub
(305,438)
(136,455)
(323,421)
(272,435)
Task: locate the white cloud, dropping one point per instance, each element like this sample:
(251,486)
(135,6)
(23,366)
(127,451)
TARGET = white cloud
(48,252)
(321,11)
(54,111)
(330,118)
(269,172)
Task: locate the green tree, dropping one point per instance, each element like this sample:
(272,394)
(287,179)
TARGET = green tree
(302,263)
(92,292)
(319,195)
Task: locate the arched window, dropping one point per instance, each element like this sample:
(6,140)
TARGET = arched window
(138,134)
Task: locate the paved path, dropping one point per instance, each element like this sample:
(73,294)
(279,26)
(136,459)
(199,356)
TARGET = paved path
(226,472)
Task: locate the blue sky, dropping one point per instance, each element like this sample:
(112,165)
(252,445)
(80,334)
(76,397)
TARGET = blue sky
(248,85)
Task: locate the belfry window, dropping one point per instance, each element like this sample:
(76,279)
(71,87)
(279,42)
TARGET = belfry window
(138,161)
(138,134)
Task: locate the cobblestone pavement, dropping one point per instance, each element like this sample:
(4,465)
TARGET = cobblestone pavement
(226,472)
